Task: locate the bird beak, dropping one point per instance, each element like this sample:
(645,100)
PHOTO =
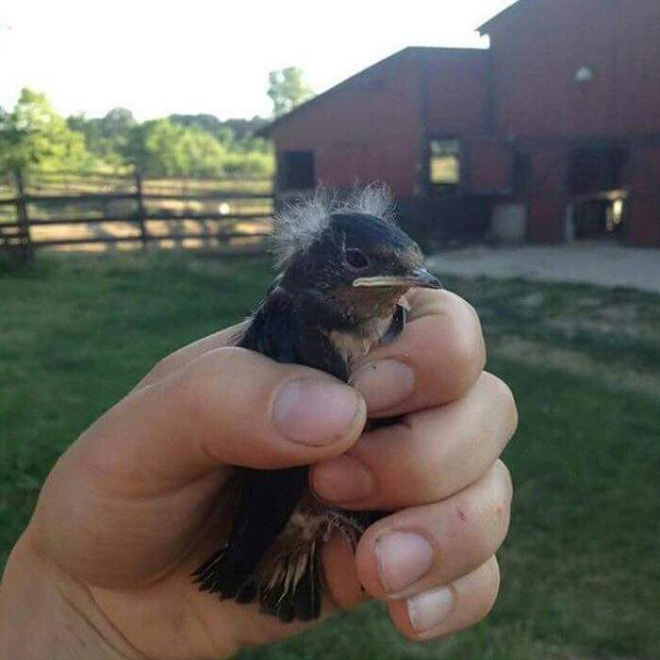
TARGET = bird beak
(420,277)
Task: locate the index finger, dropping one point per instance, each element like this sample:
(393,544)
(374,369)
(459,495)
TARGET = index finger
(436,359)
(438,356)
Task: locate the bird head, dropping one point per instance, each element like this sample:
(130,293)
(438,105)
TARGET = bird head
(351,253)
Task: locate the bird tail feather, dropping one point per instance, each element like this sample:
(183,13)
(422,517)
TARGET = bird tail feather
(291,589)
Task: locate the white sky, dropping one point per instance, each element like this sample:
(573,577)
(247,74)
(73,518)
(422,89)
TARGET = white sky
(213,56)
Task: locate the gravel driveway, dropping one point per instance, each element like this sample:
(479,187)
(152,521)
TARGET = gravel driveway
(604,265)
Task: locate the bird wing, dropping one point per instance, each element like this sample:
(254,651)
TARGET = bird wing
(268,497)
(286,332)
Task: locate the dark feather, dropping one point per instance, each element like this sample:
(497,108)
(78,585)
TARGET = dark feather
(269,497)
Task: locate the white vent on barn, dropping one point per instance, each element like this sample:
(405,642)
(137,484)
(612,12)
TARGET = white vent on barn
(584,74)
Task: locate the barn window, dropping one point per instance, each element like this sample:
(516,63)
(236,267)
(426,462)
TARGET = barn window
(445,165)
(295,170)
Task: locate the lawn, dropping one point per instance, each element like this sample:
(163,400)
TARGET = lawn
(581,567)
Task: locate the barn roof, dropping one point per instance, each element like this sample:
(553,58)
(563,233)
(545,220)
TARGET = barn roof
(411,50)
(505,13)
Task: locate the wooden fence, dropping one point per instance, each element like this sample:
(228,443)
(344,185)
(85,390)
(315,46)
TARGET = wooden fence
(65,211)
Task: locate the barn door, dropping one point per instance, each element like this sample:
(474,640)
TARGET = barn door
(490,166)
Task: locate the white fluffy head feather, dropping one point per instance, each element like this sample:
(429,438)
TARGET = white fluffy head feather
(300,222)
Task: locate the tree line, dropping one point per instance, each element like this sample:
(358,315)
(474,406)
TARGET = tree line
(34,136)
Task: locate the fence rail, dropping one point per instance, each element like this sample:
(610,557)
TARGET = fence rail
(66,209)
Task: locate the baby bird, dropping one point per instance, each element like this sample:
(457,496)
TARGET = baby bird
(344,269)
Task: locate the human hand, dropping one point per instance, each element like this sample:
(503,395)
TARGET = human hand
(141,499)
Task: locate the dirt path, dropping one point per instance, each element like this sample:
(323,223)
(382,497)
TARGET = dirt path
(604,265)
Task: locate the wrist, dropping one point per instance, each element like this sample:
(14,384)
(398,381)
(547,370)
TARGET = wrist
(45,613)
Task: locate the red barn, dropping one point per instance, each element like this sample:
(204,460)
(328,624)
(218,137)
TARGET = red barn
(551,134)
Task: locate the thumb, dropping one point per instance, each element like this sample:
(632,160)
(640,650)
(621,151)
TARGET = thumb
(128,496)
(230,406)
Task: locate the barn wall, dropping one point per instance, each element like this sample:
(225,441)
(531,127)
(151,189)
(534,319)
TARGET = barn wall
(643,205)
(537,50)
(368,129)
(457,92)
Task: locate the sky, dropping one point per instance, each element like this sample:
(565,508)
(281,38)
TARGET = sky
(192,56)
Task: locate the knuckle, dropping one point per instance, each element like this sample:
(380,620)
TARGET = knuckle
(484,515)
(461,335)
(219,364)
(483,541)
(478,348)
(504,401)
(425,477)
(469,351)
(498,509)
(201,378)
(506,481)
(472,539)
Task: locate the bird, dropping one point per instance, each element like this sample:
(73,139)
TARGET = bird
(344,267)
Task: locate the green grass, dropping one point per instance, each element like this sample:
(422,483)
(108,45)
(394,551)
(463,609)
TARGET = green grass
(581,567)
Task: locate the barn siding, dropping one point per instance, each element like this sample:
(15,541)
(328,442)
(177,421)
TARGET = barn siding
(643,206)
(368,129)
(537,50)
(456,92)
(638,66)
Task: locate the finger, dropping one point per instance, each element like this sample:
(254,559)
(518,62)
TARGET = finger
(416,549)
(448,608)
(340,574)
(230,406)
(187,354)
(146,474)
(424,458)
(437,357)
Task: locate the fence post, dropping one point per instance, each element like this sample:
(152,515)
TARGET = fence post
(141,211)
(22,218)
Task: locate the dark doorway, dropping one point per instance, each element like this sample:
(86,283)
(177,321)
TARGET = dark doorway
(295,170)
(595,179)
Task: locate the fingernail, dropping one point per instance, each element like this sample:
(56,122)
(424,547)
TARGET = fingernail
(429,609)
(315,412)
(341,480)
(384,384)
(402,558)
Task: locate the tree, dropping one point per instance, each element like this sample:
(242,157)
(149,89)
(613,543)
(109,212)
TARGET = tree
(162,148)
(117,123)
(33,135)
(244,129)
(106,137)
(287,89)
(209,123)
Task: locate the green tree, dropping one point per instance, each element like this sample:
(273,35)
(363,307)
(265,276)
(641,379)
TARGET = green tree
(34,136)
(117,123)
(232,133)
(106,137)
(162,148)
(244,129)
(287,89)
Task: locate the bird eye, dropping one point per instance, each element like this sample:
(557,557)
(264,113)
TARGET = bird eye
(356,259)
